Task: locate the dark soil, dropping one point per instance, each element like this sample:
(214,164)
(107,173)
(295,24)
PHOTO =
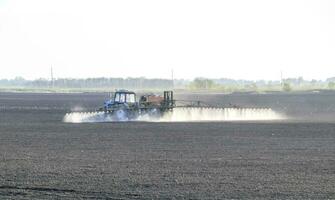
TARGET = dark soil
(41,157)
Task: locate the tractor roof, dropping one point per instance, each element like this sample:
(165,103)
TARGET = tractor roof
(125,91)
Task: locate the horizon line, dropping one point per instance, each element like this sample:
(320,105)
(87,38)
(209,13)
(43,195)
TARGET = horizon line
(186,79)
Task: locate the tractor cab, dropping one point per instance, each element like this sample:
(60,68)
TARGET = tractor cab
(124,96)
(120,98)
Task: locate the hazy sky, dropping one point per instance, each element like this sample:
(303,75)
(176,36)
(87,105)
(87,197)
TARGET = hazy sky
(235,39)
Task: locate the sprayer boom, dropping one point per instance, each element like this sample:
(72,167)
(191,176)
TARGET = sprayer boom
(123,106)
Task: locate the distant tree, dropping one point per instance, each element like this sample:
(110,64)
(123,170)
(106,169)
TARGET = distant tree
(332,79)
(287,87)
(254,87)
(19,81)
(331,85)
(300,80)
(200,83)
(314,82)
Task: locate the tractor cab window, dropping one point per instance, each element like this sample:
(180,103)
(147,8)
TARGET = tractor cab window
(117,97)
(120,97)
(124,97)
(130,98)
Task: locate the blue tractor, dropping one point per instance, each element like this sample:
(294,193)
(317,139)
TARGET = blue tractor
(124,106)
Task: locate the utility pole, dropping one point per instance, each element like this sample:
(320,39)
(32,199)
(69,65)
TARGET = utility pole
(172,78)
(281,78)
(52,78)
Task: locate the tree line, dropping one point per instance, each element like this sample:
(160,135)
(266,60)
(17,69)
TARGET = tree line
(131,83)
(222,84)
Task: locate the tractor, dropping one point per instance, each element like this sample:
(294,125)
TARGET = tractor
(123,104)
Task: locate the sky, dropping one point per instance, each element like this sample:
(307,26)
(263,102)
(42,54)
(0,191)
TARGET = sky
(240,39)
